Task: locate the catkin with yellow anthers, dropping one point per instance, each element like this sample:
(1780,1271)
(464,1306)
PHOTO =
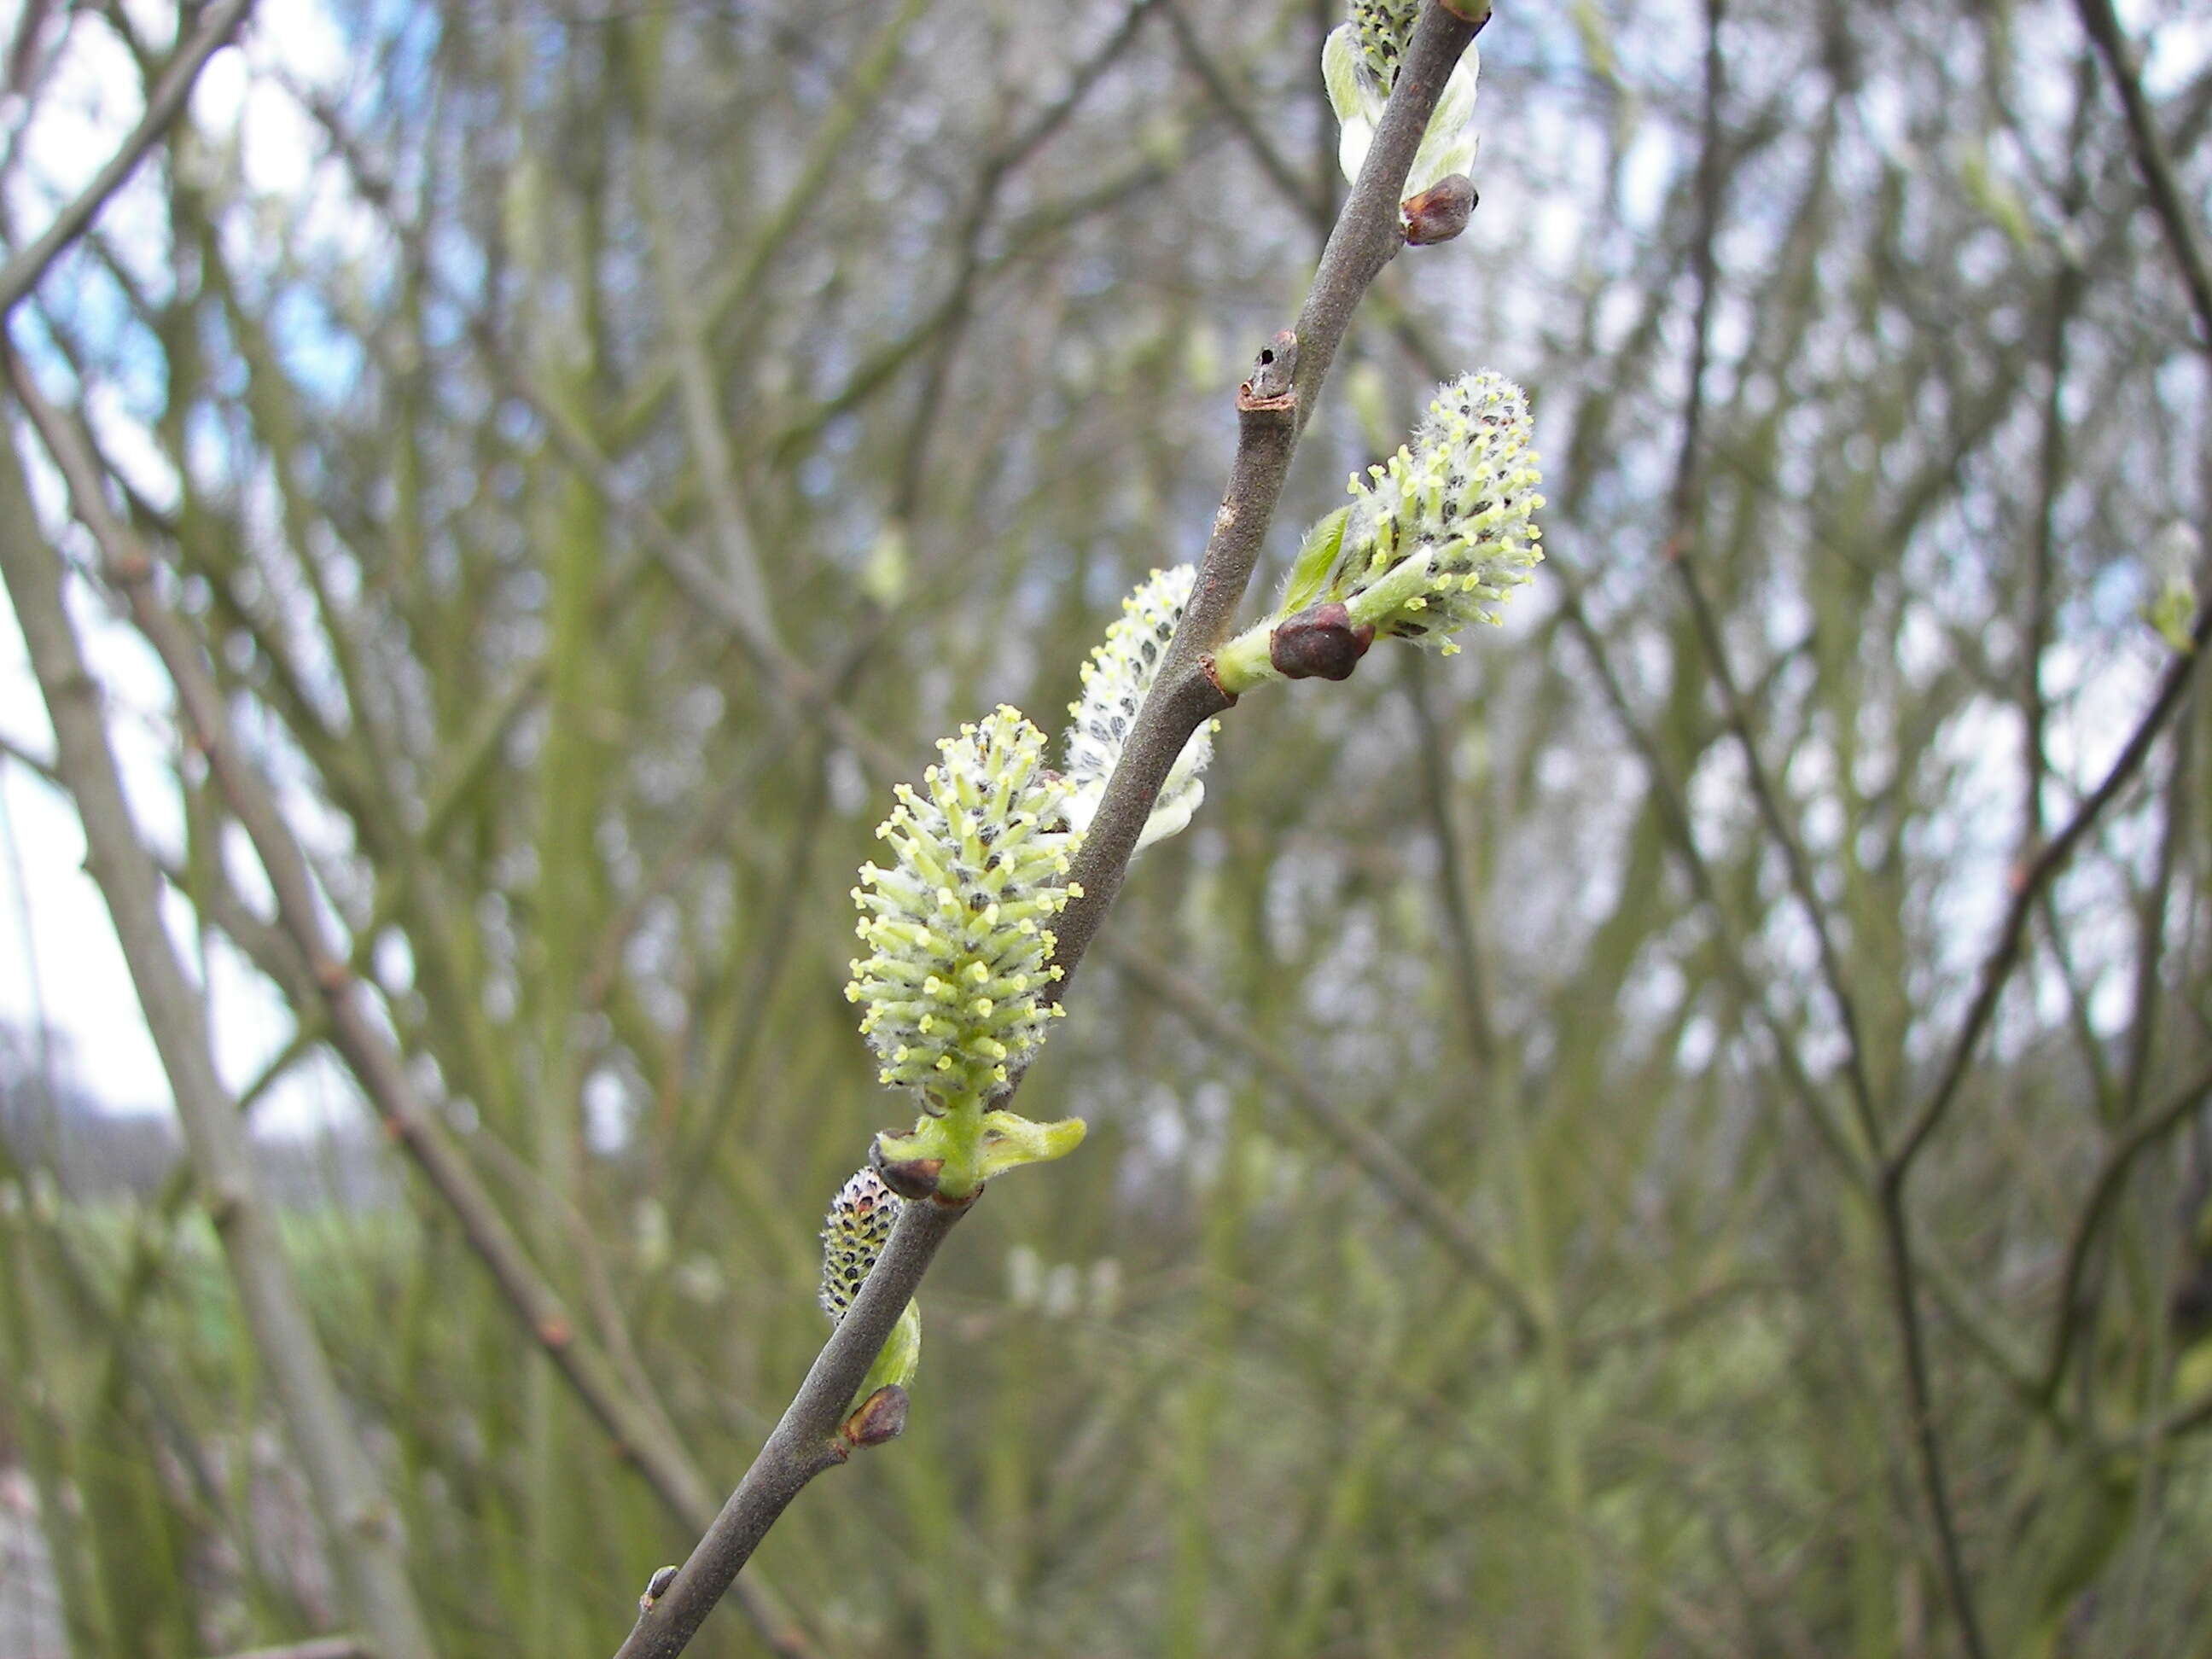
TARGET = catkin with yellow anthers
(957,926)
(1380,29)
(1441,533)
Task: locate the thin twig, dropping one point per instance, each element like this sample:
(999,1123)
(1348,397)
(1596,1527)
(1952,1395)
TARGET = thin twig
(355,1033)
(1684,519)
(2028,884)
(357,1519)
(2147,1132)
(1309,201)
(2152,156)
(1228,1027)
(1798,868)
(1835,1132)
(322,1647)
(1459,905)
(22,273)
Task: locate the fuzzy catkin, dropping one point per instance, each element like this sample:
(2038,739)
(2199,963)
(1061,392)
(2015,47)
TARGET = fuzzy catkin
(1116,678)
(1461,499)
(960,951)
(858,1227)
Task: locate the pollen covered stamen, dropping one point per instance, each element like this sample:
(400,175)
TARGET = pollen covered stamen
(1442,532)
(959,953)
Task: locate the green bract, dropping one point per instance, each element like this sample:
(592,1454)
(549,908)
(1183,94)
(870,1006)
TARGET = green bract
(960,951)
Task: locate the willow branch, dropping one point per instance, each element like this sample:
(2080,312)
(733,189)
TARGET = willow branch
(1184,695)
(807,1440)
(358,1520)
(369,1053)
(2154,158)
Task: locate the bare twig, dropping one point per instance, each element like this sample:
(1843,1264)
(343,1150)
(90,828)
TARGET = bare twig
(1836,1132)
(1309,201)
(1459,906)
(2151,1127)
(2028,884)
(2152,157)
(322,1647)
(355,1033)
(358,1520)
(1225,1027)
(22,273)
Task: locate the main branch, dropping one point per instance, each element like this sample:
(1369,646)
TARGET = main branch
(1274,407)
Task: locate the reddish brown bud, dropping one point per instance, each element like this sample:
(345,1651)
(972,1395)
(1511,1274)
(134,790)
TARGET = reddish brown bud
(880,1418)
(655,1588)
(1440,212)
(909,1178)
(1319,643)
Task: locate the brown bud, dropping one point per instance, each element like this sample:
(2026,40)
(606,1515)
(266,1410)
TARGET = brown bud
(909,1178)
(1319,643)
(656,1587)
(880,1418)
(1440,212)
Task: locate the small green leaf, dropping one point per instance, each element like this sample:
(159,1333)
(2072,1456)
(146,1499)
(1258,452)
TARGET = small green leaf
(1010,1141)
(1316,555)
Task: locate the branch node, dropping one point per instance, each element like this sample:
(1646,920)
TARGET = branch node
(224,1203)
(129,568)
(1273,372)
